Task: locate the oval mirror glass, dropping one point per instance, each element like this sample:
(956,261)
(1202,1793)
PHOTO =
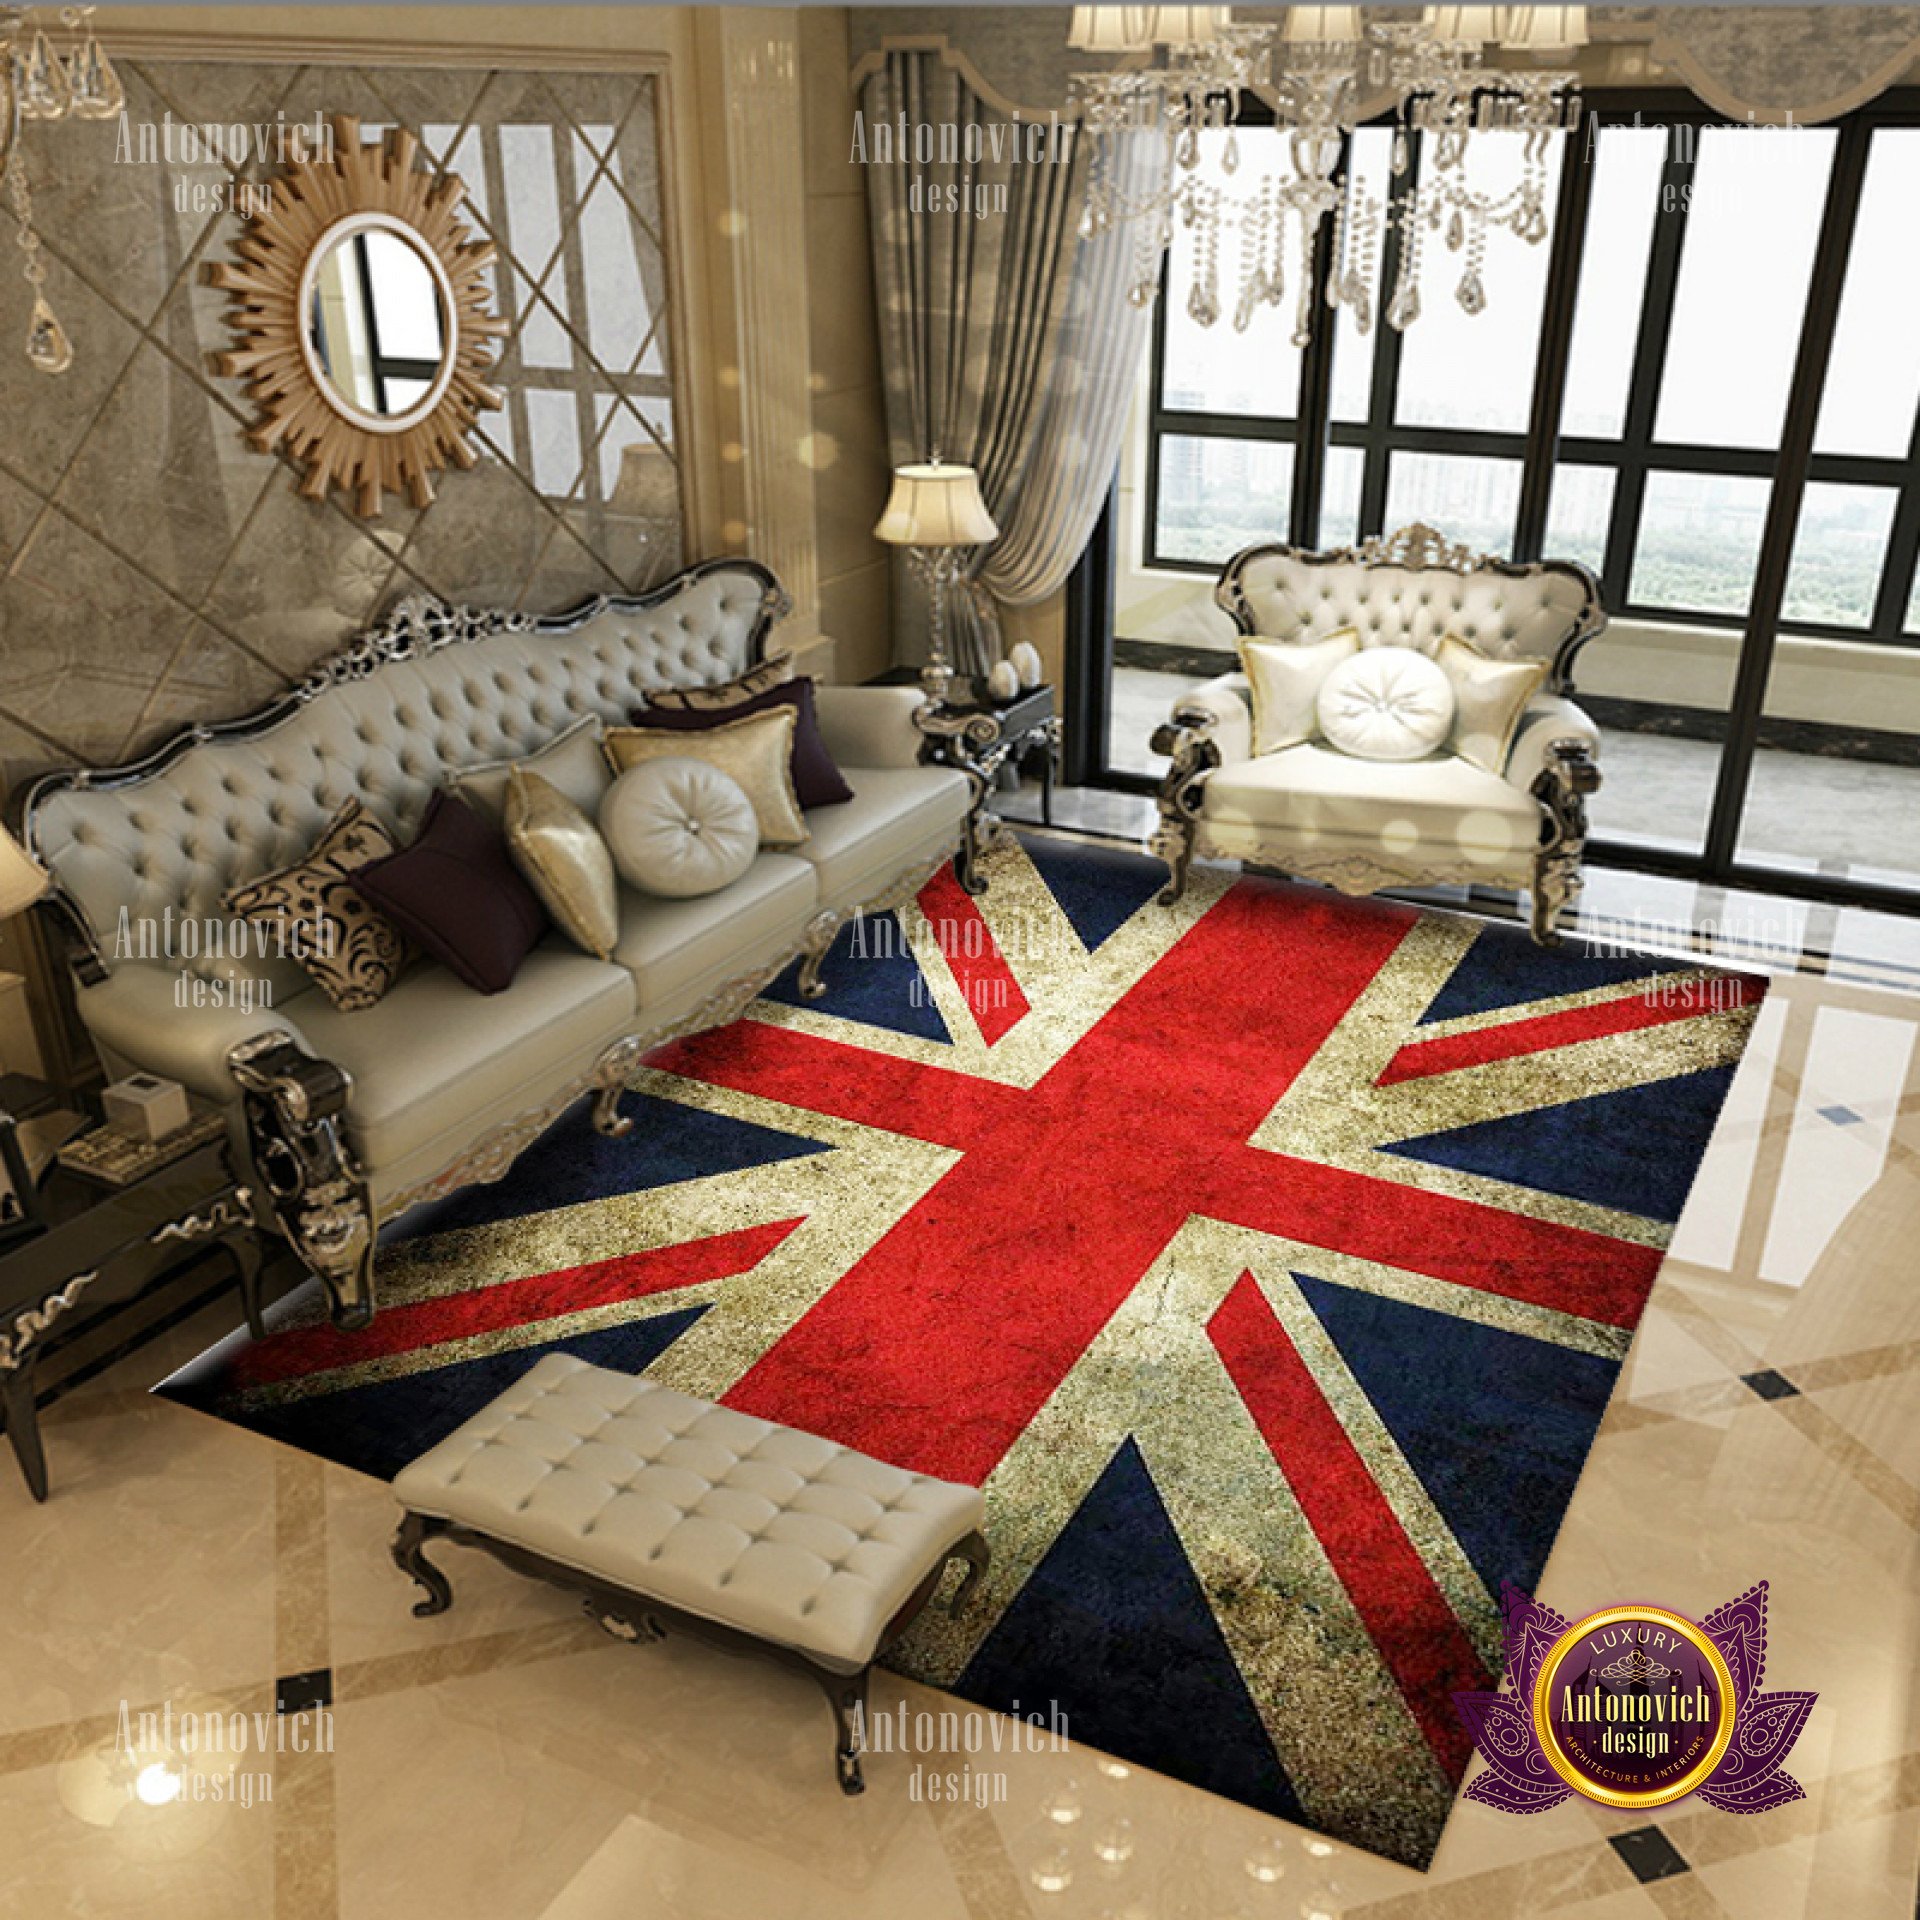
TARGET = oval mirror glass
(377,323)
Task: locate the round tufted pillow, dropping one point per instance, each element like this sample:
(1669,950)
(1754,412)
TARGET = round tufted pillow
(1387,703)
(679,827)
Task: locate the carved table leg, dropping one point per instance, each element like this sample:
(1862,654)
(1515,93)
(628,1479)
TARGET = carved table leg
(415,1531)
(23,1426)
(243,1248)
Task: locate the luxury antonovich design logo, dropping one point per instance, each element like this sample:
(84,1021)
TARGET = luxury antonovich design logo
(1635,1706)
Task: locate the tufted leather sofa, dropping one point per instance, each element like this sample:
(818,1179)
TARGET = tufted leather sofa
(349,1119)
(1365,825)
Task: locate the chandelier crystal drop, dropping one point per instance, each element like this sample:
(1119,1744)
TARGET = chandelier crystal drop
(1321,73)
(39,82)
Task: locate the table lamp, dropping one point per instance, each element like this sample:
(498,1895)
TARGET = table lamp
(934,511)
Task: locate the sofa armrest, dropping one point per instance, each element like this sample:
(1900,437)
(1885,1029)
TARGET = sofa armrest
(1217,711)
(146,1014)
(870,726)
(1547,718)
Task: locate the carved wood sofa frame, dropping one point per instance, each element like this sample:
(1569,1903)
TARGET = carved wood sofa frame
(294,1105)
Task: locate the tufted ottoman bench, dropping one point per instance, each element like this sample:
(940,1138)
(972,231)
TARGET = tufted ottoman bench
(664,1510)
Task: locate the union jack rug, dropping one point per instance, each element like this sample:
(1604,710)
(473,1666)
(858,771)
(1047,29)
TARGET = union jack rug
(1268,1259)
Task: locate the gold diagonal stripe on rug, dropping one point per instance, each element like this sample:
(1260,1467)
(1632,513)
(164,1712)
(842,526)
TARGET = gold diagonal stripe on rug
(1340,1728)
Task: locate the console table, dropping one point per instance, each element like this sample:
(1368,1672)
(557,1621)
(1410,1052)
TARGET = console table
(96,1247)
(972,731)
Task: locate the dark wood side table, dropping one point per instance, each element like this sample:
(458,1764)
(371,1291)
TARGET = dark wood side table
(972,731)
(96,1248)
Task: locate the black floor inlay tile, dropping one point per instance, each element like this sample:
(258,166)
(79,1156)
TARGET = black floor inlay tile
(1770,1385)
(1649,1854)
(300,1692)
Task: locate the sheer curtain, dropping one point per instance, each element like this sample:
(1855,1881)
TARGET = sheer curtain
(1007,342)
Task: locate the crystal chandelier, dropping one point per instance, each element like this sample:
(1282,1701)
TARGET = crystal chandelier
(1318,74)
(38,82)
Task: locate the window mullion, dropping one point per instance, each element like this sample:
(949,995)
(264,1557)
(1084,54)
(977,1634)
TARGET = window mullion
(1649,366)
(1556,351)
(1789,489)
(1316,384)
(1903,551)
(1384,393)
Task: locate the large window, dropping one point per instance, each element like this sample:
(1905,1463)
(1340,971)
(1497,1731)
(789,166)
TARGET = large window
(1636,426)
(1702,385)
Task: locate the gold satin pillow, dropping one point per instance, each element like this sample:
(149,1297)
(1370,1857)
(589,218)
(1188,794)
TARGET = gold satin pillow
(756,751)
(729,693)
(1489,697)
(563,859)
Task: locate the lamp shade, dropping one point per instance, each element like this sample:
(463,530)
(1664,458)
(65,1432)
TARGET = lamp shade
(649,482)
(1465,26)
(1140,29)
(1540,29)
(1188,26)
(1111,29)
(1323,26)
(936,505)
(22,878)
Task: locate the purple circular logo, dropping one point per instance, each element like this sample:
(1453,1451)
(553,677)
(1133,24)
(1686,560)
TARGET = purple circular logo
(1633,1706)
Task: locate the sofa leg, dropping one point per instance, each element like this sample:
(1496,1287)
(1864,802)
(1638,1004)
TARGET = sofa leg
(1178,860)
(1189,745)
(1562,789)
(611,1072)
(415,1531)
(822,931)
(295,1112)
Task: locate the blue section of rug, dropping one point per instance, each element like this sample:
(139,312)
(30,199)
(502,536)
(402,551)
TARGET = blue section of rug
(1496,1425)
(1637,1149)
(1114,1621)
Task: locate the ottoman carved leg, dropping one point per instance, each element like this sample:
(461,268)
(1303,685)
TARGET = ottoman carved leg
(973,1550)
(847,1694)
(415,1531)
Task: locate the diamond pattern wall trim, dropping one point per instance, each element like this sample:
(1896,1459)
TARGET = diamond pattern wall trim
(154,570)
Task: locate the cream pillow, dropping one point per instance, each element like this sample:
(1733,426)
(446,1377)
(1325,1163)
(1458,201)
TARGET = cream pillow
(1285,677)
(1489,697)
(571,762)
(756,752)
(1388,703)
(679,827)
(563,859)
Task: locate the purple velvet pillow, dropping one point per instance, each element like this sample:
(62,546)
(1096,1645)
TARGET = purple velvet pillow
(457,895)
(817,782)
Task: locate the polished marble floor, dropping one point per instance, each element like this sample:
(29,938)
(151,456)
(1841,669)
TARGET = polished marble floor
(506,1762)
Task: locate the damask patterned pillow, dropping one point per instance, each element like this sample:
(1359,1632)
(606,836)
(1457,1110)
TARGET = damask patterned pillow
(743,687)
(353,952)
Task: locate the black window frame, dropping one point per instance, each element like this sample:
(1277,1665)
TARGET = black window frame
(1791,465)
(1540,448)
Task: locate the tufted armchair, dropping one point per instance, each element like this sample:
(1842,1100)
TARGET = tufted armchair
(1364,825)
(344,1120)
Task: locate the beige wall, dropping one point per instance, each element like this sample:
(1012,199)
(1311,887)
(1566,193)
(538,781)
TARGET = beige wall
(849,417)
(156,570)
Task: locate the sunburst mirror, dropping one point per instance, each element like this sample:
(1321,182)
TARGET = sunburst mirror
(365,323)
